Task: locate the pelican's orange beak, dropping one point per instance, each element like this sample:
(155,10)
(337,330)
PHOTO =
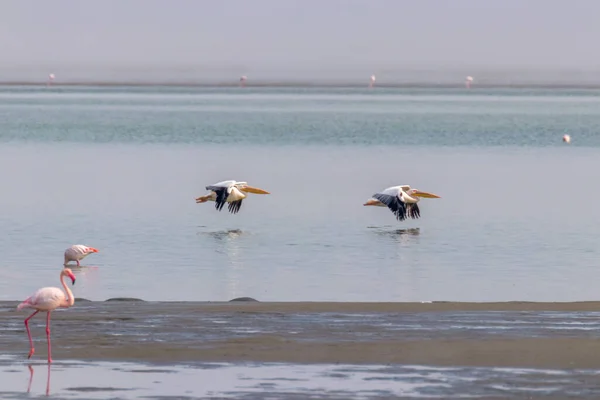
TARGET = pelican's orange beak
(254,190)
(426,195)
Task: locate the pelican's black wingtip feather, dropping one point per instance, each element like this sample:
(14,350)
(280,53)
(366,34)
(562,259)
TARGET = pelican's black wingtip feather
(234,206)
(221,197)
(413,211)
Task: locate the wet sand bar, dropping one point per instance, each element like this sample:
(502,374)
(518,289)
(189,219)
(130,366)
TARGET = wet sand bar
(513,334)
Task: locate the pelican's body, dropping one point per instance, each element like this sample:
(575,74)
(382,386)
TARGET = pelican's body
(78,252)
(232,192)
(401,200)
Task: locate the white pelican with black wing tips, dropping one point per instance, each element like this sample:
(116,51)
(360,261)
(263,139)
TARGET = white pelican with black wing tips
(232,192)
(402,200)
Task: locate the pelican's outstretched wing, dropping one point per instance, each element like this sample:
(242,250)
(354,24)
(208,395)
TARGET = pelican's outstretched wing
(394,204)
(235,206)
(222,194)
(395,190)
(228,183)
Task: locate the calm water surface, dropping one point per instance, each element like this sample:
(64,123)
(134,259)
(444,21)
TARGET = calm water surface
(120,381)
(118,169)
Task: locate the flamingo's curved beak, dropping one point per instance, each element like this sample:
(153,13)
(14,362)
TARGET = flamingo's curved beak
(72,278)
(93,250)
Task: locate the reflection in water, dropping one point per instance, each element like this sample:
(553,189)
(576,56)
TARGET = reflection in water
(81,268)
(31,379)
(229,244)
(407,276)
(226,234)
(401,235)
(104,380)
(88,279)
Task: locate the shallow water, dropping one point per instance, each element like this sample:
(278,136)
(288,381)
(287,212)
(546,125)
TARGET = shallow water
(118,169)
(99,380)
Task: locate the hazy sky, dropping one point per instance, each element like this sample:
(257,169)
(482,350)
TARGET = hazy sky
(296,34)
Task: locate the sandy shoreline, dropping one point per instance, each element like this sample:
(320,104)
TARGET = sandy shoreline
(513,334)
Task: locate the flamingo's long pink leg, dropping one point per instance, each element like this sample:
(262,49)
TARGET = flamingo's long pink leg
(31,349)
(48,336)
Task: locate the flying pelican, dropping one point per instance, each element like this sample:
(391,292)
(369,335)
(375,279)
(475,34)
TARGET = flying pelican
(232,192)
(402,200)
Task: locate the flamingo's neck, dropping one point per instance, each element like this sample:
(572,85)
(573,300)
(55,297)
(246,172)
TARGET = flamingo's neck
(70,298)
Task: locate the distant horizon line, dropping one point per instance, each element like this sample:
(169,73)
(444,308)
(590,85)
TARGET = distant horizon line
(299,84)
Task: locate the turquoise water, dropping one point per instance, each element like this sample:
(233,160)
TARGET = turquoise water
(118,169)
(332,117)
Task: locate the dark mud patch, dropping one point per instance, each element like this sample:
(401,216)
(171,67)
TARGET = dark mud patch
(125,299)
(90,389)
(241,299)
(151,371)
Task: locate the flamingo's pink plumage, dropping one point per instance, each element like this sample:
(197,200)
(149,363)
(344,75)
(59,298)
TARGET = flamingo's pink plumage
(78,252)
(48,299)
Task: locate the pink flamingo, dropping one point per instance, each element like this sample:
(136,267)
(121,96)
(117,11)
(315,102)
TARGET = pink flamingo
(372,81)
(78,252)
(468,82)
(48,299)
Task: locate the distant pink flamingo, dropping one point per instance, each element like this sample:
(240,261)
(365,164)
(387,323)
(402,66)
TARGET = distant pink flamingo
(372,81)
(48,299)
(468,82)
(78,252)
